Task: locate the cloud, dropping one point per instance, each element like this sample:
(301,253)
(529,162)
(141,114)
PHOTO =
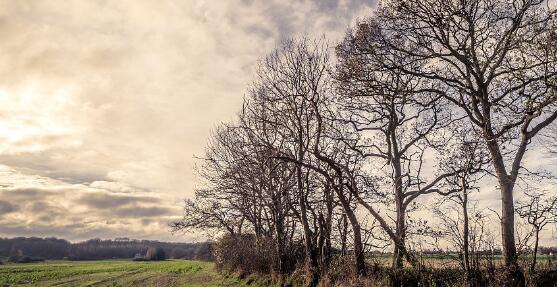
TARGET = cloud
(115,187)
(6,207)
(109,200)
(145,212)
(51,207)
(109,94)
(56,163)
(103,104)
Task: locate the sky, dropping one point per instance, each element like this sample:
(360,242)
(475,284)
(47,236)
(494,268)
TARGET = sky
(104,104)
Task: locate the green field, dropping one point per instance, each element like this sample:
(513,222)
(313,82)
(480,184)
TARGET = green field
(117,273)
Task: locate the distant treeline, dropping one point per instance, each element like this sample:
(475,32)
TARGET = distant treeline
(96,249)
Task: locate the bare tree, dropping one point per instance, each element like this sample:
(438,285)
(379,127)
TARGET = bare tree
(391,123)
(468,158)
(313,144)
(207,214)
(539,210)
(292,85)
(495,61)
(245,190)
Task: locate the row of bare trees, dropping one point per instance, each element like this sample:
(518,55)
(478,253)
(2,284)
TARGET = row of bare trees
(422,100)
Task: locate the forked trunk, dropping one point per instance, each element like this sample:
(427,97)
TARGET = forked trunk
(513,275)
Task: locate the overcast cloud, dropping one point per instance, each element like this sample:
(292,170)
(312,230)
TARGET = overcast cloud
(103,104)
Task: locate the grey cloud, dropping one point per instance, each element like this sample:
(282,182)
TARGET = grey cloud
(144,212)
(26,194)
(40,206)
(351,6)
(79,212)
(292,20)
(146,221)
(51,164)
(108,200)
(12,230)
(6,207)
(79,232)
(259,31)
(48,218)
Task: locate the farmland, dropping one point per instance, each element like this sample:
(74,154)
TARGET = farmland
(117,273)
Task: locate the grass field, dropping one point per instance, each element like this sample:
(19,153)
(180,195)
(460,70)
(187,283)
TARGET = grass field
(125,273)
(117,273)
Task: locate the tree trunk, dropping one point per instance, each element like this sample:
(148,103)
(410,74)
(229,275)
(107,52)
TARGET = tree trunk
(311,260)
(326,251)
(465,230)
(359,259)
(321,242)
(399,249)
(507,225)
(513,274)
(343,235)
(400,233)
(533,266)
(280,237)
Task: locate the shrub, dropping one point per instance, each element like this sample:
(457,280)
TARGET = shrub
(25,259)
(203,252)
(244,253)
(155,253)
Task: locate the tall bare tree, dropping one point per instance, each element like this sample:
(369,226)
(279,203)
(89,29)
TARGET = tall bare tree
(292,82)
(393,125)
(495,61)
